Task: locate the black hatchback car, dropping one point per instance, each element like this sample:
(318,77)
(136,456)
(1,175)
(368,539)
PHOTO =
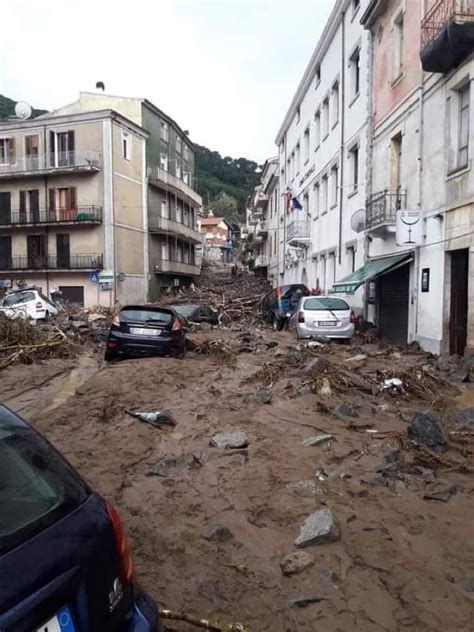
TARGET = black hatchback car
(145,330)
(65,563)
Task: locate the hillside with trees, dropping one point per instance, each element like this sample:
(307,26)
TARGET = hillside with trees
(224,183)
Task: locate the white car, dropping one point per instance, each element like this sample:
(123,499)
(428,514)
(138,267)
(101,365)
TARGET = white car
(328,316)
(27,303)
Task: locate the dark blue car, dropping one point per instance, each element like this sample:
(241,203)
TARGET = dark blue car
(65,563)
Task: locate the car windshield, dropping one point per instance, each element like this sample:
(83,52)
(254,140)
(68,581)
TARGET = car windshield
(185,310)
(144,315)
(323,304)
(37,487)
(18,297)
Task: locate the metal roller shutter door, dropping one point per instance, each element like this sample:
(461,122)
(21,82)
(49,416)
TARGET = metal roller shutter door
(394,296)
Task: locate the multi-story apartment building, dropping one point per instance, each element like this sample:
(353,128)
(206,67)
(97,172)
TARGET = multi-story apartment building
(171,201)
(420,161)
(322,157)
(72,192)
(264,230)
(216,233)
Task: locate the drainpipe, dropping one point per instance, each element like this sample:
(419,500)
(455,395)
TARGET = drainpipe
(46,202)
(284,211)
(369,154)
(342,117)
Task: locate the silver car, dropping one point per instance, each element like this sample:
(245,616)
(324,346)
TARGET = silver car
(328,316)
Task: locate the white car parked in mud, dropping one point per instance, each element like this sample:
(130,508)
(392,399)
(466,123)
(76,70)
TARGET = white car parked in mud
(27,303)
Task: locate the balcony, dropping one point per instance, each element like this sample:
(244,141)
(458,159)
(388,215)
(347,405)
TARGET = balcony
(298,233)
(447,35)
(48,263)
(262,229)
(381,209)
(163,226)
(171,266)
(260,262)
(162,177)
(82,215)
(48,164)
(261,200)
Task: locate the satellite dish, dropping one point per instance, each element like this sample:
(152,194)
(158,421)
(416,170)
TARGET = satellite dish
(358,221)
(23,110)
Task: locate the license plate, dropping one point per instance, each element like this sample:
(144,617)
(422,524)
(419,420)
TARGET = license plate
(142,331)
(327,323)
(62,622)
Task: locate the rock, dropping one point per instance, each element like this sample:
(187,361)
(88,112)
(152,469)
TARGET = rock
(77,325)
(314,344)
(442,494)
(93,317)
(235,328)
(346,410)
(294,357)
(357,360)
(468,584)
(320,474)
(217,534)
(425,431)
(318,528)
(279,353)
(260,397)
(296,562)
(271,344)
(465,419)
(229,440)
(302,486)
(459,377)
(325,388)
(317,440)
(315,366)
(303,602)
(324,340)
(205,326)
(246,348)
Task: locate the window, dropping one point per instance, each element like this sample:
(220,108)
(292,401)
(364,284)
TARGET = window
(179,144)
(317,77)
(126,142)
(306,205)
(32,151)
(164,131)
(355,72)
(288,169)
(306,142)
(298,114)
(7,151)
(325,195)
(335,104)
(350,255)
(332,267)
(165,211)
(355,6)
(396,163)
(325,117)
(164,161)
(178,170)
(463,142)
(186,152)
(325,304)
(61,147)
(354,167)
(298,158)
(398,47)
(316,199)
(334,185)
(317,130)
(187,177)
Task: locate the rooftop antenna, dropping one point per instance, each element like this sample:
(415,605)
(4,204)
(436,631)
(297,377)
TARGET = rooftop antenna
(100,86)
(23,110)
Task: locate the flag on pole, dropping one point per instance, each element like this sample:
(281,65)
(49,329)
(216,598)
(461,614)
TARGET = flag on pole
(296,204)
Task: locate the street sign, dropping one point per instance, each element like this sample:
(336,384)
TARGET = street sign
(94,277)
(106,276)
(106,287)
(409,228)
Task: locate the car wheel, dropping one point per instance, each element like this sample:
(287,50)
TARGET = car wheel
(277,323)
(109,356)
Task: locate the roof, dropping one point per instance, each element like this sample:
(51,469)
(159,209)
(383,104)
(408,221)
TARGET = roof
(213,221)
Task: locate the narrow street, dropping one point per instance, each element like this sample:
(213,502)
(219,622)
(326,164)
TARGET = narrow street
(210,527)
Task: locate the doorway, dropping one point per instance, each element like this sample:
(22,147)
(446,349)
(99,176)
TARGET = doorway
(36,252)
(393,290)
(5,208)
(458,314)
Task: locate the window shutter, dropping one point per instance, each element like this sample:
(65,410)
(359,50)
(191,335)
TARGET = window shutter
(11,150)
(22,201)
(52,204)
(52,149)
(70,141)
(72,197)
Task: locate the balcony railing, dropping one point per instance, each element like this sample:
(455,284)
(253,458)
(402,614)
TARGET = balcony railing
(382,207)
(158,224)
(62,162)
(447,34)
(79,215)
(262,229)
(172,266)
(163,176)
(51,262)
(260,261)
(261,200)
(298,231)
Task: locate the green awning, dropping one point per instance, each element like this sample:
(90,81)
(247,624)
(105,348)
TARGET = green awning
(371,269)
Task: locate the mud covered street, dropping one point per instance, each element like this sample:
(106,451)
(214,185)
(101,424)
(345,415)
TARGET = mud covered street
(211,527)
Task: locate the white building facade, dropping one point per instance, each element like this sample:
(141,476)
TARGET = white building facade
(323,157)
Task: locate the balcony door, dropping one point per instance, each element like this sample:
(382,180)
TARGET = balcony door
(32,151)
(5,253)
(29,206)
(62,204)
(63,250)
(61,146)
(5,207)
(37,251)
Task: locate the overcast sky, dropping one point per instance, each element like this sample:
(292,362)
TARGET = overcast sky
(224,69)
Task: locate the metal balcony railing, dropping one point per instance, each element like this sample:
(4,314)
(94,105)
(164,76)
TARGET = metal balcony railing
(51,262)
(179,185)
(382,207)
(297,230)
(174,266)
(260,261)
(442,12)
(79,215)
(88,160)
(158,224)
